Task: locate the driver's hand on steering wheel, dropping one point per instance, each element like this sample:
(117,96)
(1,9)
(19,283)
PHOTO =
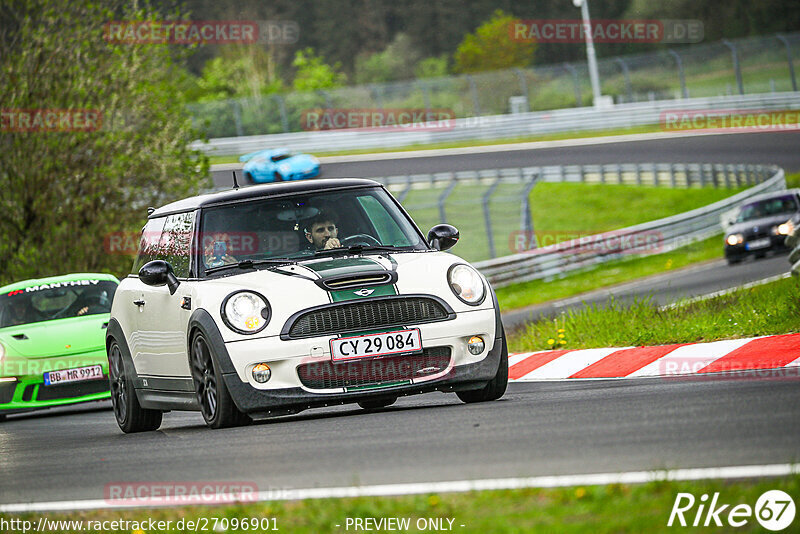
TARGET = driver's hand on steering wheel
(331,243)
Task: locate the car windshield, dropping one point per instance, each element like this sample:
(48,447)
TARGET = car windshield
(302,226)
(57,300)
(767,208)
(280,157)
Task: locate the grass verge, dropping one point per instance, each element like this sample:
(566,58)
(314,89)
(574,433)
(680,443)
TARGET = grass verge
(608,508)
(609,274)
(768,309)
(472,143)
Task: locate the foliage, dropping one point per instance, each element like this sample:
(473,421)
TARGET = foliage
(491,47)
(396,62)
(62,192)
(243,72)
(313,73)
(431,67)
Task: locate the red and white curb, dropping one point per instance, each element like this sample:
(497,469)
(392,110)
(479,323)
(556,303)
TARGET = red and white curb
(781,353)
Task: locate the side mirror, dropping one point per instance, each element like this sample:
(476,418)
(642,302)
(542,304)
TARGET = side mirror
(443,236)
(159,273)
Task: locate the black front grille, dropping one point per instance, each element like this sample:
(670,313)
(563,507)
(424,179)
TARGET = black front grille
(67,391)
(366,315)
(7,391)
(328,375)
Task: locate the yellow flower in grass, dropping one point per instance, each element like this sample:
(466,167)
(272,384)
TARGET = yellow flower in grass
(561,336)
(562,342)
(580,493)
(561,330)
(551,341)
(433,500)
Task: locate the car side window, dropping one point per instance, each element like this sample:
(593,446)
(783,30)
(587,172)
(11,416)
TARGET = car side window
(148,244)
(174,246)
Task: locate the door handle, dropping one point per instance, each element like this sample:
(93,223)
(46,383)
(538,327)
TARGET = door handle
(139,302)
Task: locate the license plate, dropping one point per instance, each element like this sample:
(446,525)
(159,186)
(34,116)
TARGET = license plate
(73,375)
(758,243)
(397,342)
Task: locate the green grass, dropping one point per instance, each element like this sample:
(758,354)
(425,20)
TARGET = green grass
(607,508)
(560,211)
(768,309)
(609,274)
(471,143)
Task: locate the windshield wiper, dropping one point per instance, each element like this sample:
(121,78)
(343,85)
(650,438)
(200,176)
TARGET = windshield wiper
(251,264)
(359,249)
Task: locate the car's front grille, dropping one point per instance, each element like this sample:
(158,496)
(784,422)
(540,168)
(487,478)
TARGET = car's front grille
(7,391)
(67,391)
(377,371)
(365,315)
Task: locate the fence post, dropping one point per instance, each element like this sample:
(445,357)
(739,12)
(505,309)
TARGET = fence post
(404,193)
(638,174)
(282,110)
(473,89)
(736,66)
(624,66)
(237,117)
(443,198)
(679,63)
(523,87)
(527,219)
(376,95)
(575,82)
(672,182)
(327,97)
(426,95)
(785,42)
(488,217)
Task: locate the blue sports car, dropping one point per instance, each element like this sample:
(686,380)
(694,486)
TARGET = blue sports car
(276,165)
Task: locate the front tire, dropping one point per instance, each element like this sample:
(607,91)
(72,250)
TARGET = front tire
(496,386)
(216,404)
(130,415)
(2,417)
(276,177)
(248,178)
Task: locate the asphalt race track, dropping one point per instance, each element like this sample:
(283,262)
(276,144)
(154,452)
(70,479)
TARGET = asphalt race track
(535,429)
(780,148)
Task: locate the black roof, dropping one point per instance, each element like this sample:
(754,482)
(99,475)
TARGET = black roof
(261,191)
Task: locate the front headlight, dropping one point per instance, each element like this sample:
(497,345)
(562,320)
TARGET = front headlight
(734,239)
(245,312)
(784,229)
(467,284)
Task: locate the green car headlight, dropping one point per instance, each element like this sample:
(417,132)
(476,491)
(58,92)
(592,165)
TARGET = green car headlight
(246,312)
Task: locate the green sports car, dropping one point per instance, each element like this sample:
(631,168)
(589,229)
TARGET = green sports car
(52,341)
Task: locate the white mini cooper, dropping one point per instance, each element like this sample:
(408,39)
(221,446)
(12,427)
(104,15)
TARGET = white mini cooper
(272,299)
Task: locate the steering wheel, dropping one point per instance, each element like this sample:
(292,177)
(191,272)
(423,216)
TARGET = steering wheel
(359,239)
(95,303)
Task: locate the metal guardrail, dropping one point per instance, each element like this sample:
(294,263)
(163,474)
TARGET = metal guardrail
(492,208)
(499,126)
(793,242)
(661,235)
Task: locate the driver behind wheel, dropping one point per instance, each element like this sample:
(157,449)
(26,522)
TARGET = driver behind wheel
(322,231)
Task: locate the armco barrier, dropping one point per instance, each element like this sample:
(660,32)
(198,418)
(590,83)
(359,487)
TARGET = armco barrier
(661,235)
(500,126)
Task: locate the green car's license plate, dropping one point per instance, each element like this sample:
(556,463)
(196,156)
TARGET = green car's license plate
(73,375)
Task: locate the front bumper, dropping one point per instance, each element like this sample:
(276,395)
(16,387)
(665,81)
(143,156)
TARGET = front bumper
(22,386)
(743,250)
(285,391)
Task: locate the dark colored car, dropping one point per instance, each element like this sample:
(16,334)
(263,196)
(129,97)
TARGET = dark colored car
(762,225)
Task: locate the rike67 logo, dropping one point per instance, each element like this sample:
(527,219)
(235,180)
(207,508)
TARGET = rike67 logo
(774,510)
